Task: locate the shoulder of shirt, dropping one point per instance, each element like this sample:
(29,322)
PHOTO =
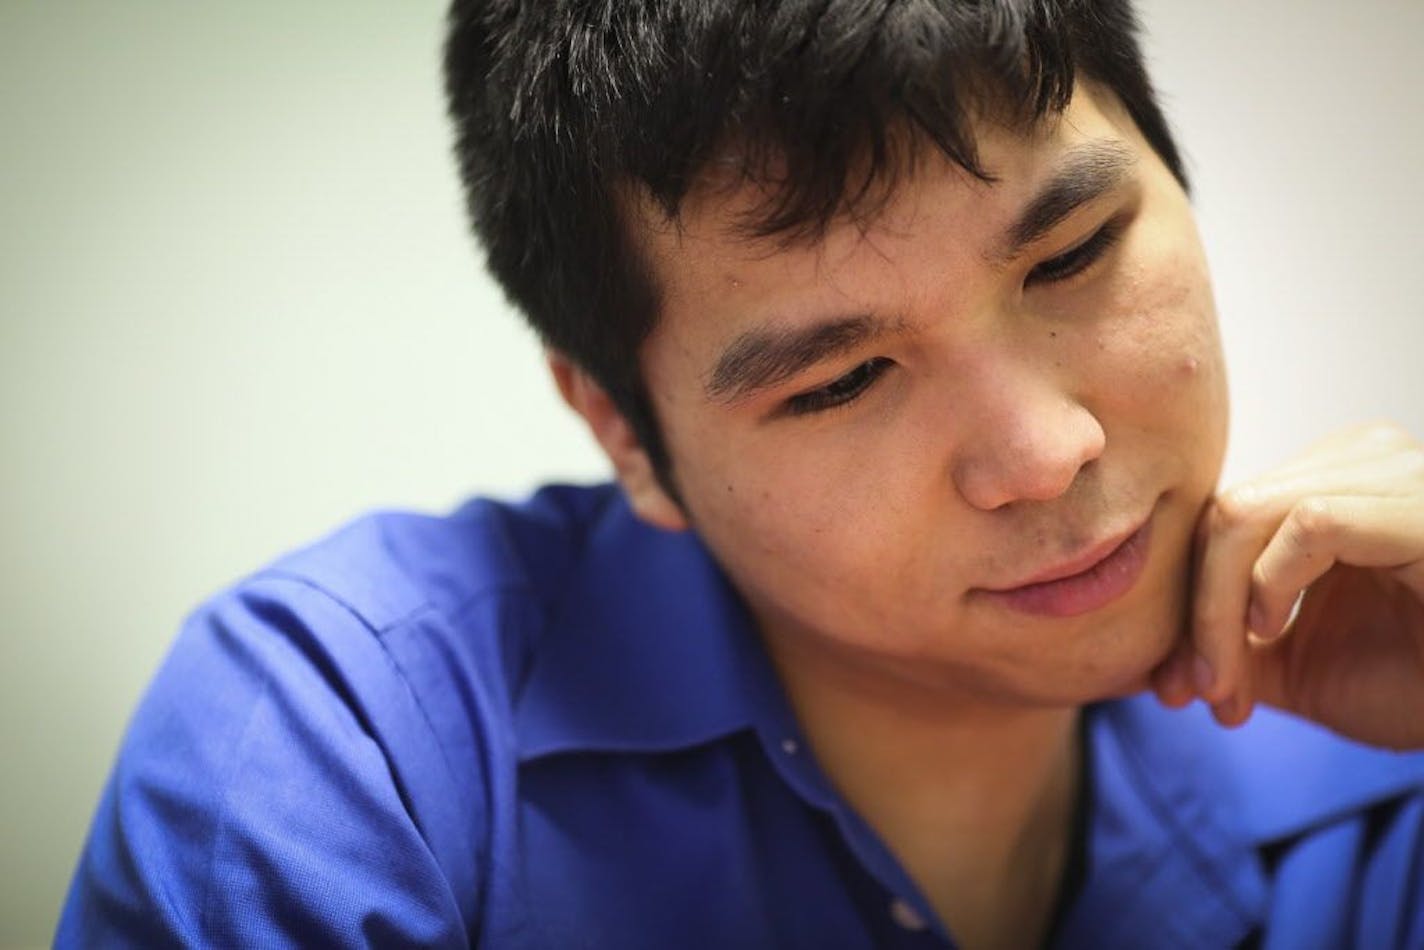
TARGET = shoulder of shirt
(539,625)
(401,634)
(1281,774)
(388,566)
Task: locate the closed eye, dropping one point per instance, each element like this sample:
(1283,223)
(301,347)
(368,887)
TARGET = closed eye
(841,390)
(1077,259)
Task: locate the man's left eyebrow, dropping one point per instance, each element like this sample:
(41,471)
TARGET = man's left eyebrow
(766,356)
(1086,173)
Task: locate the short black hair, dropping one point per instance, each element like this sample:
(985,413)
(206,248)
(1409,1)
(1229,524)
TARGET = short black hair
(563,108)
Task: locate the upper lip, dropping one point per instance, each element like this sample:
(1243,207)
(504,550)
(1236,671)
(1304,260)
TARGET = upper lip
(1085,559)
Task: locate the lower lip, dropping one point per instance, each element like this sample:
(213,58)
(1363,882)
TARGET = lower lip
(1098,586)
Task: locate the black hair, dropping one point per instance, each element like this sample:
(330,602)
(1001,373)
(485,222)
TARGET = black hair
(563,109)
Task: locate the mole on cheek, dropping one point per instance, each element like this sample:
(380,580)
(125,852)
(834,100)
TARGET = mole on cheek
(1191,366)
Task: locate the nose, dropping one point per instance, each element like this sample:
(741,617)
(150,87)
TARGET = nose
(1028,441)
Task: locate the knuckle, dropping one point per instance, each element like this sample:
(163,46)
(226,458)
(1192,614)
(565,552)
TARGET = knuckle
(1205,621)
(1215,625)
(1234,508)
(1384,432)
(1412,460)
(1311,520)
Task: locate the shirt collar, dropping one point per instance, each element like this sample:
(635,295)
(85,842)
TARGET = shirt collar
(1276,777)
(647,649)
(1294,776)
(1167,852)
(1182,806)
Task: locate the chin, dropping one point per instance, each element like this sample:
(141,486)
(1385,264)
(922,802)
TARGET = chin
(1112,657)
(1120,653)
(1123,665)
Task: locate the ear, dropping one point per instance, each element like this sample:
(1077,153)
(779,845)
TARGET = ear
(630,461)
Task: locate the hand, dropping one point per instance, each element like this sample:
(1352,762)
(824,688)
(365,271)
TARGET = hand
(1339,532)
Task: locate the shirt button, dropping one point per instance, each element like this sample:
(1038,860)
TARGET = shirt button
(906,916)
(789,746)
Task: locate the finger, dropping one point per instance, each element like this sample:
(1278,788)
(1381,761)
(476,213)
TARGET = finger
(1372,440)
(1237,708)
(1172,679)
(1382,474)
(1319,532)
(1232,534)
(1377,461)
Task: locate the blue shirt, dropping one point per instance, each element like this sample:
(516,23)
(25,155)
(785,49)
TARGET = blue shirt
(549,725)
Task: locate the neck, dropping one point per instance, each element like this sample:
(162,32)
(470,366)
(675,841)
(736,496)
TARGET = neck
(974,798)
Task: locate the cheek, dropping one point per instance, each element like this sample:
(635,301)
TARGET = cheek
(1159,338)
(789,511)
(1163,373)
(806,535)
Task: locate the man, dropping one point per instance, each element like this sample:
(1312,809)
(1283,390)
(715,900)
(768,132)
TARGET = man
(894,323)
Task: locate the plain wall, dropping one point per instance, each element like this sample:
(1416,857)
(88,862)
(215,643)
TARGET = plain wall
(238,305)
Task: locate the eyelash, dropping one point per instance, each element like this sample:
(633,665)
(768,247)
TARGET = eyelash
(840,391)
(1078,259)
(849,387)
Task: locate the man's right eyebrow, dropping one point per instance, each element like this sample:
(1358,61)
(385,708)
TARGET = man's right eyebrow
(1088,171)
(763,357)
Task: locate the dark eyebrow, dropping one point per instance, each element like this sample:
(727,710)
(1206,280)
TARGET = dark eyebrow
(1086,173)
(770,355)
(764,357)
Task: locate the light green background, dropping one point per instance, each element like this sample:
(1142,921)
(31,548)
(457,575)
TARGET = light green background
(238,305)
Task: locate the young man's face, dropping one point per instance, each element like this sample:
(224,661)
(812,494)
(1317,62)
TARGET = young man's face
(887,437)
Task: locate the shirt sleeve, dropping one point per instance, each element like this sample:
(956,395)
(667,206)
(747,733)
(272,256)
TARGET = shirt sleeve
(254,802)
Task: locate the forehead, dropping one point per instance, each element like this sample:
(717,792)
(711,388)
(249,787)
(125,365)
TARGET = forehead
(716,281)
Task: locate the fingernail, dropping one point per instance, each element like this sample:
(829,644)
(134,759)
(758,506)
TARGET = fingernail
(1202,675)
(1173,681)
(1181,674)
(1233,713)
(1241,711)
(1225,713)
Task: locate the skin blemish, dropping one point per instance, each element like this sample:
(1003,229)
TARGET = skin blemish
(1191,366)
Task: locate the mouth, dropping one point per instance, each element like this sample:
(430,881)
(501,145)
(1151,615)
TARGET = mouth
(1086,582)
